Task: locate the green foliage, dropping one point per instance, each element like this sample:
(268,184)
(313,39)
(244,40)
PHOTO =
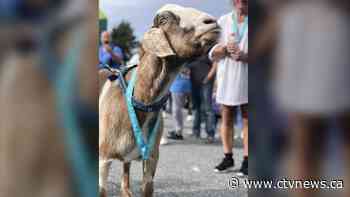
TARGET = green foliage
(123,36)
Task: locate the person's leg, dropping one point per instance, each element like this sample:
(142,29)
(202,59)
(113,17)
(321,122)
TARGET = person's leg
(178,116)
(178,103)
(169,105)
(308,140)
(207,91)
(189,112)
(226,132)
(244,109)
(244,167)
(196,101)
(344,123)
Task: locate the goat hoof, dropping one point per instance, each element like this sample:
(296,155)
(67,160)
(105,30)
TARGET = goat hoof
(103,192)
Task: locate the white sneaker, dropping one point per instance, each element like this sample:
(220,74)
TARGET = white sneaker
(189,118)
(164,141)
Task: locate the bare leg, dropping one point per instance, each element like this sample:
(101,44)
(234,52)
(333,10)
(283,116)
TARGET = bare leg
(308,137)
(245,130)
(227,128)
(344,123)
(104,166)
(245,137)
(125,186)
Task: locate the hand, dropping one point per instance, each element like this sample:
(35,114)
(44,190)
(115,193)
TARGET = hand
(108,48)
(185,71)
(232,48)
(240,56)
(219,52)
(103,74)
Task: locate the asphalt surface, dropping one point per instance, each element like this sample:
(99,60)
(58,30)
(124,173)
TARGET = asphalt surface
(185,169)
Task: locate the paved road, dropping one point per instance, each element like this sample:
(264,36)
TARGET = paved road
(185,170)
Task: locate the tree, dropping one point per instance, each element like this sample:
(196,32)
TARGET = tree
(123,36)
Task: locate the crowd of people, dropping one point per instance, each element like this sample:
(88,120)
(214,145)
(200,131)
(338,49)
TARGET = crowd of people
(213,86)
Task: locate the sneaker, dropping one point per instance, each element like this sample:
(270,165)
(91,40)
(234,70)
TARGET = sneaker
(164,141)
(174,136)
(225,166)
(189,118)
(244,168)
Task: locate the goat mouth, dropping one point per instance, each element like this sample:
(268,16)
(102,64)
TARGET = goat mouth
(215,30)
(209,38)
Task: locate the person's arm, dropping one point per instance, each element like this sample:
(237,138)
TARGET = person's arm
(211,73)
(116,54)
(103,57)
(219,51)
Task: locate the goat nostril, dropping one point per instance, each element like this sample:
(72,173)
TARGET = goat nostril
(208,21)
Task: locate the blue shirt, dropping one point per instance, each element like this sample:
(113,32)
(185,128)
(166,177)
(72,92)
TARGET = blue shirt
(182,84)
(106,58)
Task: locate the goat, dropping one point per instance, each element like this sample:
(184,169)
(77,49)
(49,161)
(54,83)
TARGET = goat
(178,35)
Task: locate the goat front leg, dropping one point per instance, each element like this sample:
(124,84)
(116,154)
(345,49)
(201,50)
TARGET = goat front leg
(125,185)
(104,166)
(149,170)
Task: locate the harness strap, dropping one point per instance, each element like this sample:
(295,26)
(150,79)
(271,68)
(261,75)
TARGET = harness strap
(145,147)
(154,106)
(120,74)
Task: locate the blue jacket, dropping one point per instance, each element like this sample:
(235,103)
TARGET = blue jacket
(106,58)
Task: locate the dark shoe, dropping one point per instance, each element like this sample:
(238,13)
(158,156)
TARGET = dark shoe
(225,166)
(244,168)
(194,136)
(174,136)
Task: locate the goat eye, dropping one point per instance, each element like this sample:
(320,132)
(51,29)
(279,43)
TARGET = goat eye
(163,20)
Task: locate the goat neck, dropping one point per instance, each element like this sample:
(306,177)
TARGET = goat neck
(154,77)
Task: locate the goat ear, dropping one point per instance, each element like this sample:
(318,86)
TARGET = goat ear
(155,42)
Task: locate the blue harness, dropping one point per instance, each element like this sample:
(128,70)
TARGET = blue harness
(144,145)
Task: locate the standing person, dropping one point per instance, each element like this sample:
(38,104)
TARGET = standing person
(202,80)
(179,89)
(109,54)
(312,85)
(232,77)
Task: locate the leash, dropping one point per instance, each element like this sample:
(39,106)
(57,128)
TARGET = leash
(62,78)
(82,167)
(145,145)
